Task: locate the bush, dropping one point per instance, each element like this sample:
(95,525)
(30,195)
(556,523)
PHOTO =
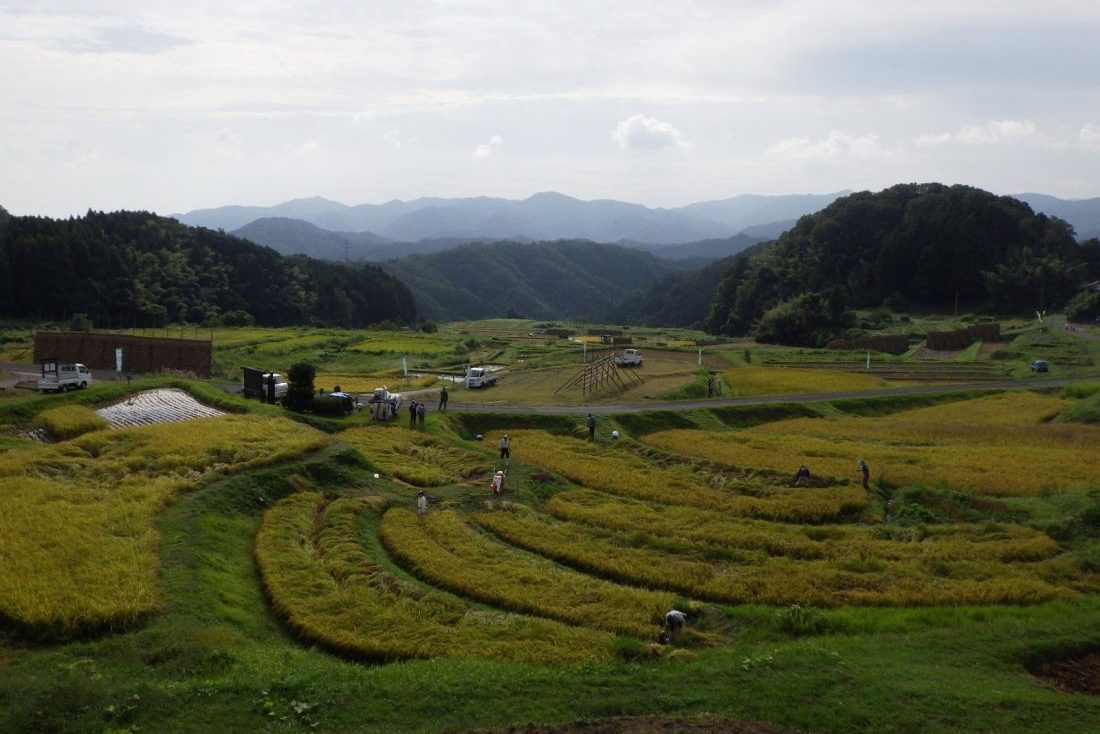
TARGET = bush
(299,394)
(1085,306)
(330,406)
(81,322)
(798,620)
(809,320)
(239,317)
(429,327)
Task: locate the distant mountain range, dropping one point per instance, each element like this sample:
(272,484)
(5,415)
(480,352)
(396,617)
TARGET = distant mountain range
(1082,214)
(542,217)
(694,234)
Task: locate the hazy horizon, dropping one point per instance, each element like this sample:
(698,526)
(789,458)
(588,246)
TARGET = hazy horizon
(174,108)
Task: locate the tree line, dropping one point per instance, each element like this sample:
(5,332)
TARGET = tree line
(128,269)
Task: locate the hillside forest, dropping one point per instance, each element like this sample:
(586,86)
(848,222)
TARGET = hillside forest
(911,246)
(138,269)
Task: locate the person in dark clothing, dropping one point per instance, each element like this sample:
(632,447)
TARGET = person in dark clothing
(443,399)
(412,414)
(865,471)
(591,426)
(421,410)
(802,477)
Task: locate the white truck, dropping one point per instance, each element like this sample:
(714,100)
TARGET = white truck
(629,358)
(59,376)
(480,377)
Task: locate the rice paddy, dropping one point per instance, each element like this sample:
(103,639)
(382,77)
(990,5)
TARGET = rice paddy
(977,534)
(998,445)
(330,590)
(79,546)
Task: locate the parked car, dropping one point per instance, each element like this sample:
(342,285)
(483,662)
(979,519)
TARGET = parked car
(1040,365)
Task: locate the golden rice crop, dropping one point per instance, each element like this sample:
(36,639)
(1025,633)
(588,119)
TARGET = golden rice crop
(70,421)
(859,579)
(619,471)
(327,586)
(418,458)
(759,380)
(361,383)
(996,445)
(700,531)
(402,344)
(292,343)
(79,546)
(445,550)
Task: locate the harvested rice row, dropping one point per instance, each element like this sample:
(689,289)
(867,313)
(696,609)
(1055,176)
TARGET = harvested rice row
(762,579)
(326,585)
(443,549)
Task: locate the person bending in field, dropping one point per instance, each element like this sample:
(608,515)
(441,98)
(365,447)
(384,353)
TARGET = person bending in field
(802,477)
(496,486)
(865,472)
(505,448)
(674,624)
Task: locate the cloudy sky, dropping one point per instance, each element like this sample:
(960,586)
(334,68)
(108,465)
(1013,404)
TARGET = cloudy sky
(175,106)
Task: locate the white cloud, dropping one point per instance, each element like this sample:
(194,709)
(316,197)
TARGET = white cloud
(1090,136)
(641,132)
(835,145)
(992,133)
(486,149)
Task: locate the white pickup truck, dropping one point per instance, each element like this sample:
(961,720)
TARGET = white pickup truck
(57,377)
(480,377)
(629,358)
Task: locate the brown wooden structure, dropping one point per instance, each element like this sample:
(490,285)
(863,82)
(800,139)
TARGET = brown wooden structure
(599,373)
(139,353)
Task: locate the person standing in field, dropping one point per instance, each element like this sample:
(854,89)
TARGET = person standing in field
(421,410)
(443,399)
(591,426)
(421,504)
(865,471)
(412,414)
(505,448)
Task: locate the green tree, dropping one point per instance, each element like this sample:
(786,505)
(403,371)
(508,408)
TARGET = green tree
(300,389)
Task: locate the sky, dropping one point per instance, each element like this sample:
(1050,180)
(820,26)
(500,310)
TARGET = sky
(170,106)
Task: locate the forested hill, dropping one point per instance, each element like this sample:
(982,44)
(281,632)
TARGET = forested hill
(138,269)
(912,244)
(564,279)
(681,299)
